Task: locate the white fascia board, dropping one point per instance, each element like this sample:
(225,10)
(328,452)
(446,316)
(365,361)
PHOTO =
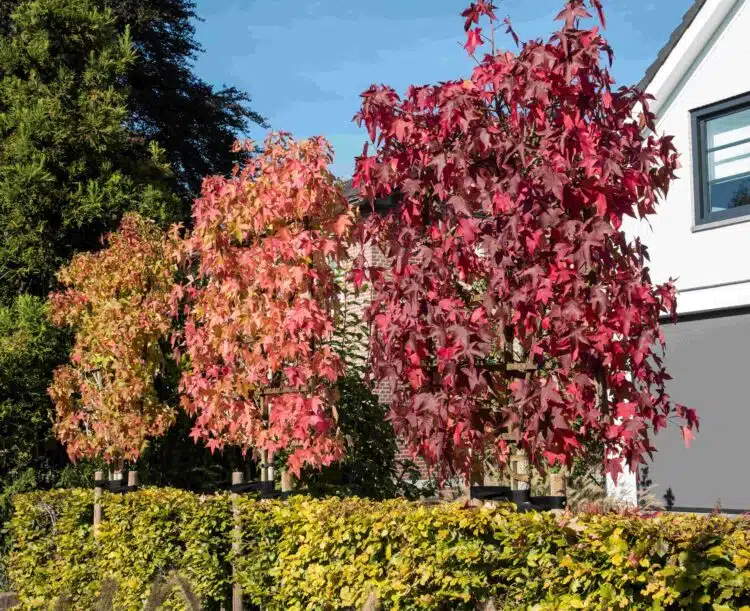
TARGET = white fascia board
(687,50)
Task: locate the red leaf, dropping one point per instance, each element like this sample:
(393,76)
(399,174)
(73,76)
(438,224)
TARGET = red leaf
(687,435)
(625,410)
(457,433)
(600,11)
(467,229)
(509,30)
(601,204)
(473,40)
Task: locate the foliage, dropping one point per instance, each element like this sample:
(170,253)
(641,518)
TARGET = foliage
(29,454)
(167,102)
(181,531)
(30,346)
(368,467)
(507,253)
(69,168)
(145,538)
(332,554)
(52,546)
(192,121)
(259,306)
(336,553)
(117,300)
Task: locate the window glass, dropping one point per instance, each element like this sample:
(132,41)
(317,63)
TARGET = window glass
(728,161)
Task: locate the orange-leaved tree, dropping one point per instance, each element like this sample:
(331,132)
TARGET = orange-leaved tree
(258,304)
(117,300)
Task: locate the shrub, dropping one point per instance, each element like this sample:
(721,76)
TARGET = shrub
(144,537)
(332,554)
(340,553)
(52,552)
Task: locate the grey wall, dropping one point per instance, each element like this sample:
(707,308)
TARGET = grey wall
(710,365)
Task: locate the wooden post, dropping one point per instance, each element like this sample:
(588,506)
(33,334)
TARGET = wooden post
(287,481)
(520,472)
(557,485)
(266,472)
(522,477)
(133,480)
(98,477)
(238,477)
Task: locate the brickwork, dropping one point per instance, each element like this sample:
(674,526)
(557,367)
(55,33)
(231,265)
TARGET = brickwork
(374,256)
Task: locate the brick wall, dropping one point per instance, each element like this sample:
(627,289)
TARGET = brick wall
(374,256)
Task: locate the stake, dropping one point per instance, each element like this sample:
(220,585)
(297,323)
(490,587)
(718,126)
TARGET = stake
(287,482)
(237,478)
(266,473)
(557,485)
(133,480)
(98,477)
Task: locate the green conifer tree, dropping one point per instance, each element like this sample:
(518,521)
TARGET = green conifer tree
(69,165)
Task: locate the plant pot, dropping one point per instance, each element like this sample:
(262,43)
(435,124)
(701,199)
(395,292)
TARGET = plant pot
(490,493)
(546,503)
(520,496)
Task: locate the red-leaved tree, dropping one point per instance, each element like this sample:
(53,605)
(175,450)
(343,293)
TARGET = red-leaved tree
(514,305)
(118,302)
(259,302)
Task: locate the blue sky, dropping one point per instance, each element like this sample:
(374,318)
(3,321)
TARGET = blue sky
(305,62)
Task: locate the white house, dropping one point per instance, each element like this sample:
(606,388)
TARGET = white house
(701,237)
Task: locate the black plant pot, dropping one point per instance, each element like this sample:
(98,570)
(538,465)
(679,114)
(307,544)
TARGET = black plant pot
(545,503)
(490,493)
(520,496)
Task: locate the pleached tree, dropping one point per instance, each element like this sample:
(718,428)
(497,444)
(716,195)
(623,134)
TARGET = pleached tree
(259,307)
(513,309)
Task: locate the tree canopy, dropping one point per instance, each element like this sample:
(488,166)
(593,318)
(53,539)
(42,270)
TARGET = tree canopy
(194,122)
(117,300)
(514,308)
(69,167)
(259,311)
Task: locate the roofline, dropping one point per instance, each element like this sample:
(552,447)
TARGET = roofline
(380,205)
(700,27)
(674,38)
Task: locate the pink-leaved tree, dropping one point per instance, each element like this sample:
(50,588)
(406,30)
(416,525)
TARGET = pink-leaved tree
(258,304)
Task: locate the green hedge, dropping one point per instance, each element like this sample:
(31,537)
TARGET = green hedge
(332,554)
(143,536)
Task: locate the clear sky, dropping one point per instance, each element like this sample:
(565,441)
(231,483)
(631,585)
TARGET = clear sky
(305,62)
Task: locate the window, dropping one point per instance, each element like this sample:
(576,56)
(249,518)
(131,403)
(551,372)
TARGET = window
(721,160)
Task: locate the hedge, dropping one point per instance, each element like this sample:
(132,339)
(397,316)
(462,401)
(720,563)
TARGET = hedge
(335,553)
(144,536)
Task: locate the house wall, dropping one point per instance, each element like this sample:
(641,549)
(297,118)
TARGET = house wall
(706,357)
(710,263)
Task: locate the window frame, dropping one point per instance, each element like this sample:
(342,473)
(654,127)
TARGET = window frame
(699,117)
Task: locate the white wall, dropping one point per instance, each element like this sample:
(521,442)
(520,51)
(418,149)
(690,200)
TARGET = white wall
(701,259)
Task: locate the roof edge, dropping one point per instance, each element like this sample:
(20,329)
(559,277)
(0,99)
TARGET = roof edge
(674,38)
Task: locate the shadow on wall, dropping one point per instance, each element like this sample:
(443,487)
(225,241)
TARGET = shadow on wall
(707,359)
